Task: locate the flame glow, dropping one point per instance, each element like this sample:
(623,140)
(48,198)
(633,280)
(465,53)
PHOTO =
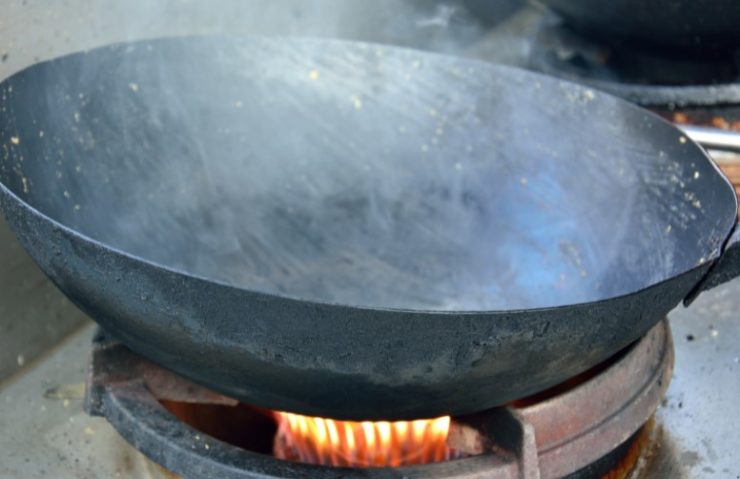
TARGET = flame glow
(315,440)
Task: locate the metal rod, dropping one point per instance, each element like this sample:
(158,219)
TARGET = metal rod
(713,138)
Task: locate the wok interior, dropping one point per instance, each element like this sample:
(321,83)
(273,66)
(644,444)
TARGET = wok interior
(360,174)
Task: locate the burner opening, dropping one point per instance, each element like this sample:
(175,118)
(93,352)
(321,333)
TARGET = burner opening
(240,425)
(319,441)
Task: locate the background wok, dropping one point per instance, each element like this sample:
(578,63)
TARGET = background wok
(682,26)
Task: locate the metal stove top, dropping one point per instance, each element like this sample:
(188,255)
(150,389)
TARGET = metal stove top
(44,341)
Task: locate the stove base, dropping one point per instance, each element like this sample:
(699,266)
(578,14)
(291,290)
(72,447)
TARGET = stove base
(573,428)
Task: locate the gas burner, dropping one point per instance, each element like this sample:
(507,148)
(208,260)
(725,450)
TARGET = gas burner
(644,76)
(585,427)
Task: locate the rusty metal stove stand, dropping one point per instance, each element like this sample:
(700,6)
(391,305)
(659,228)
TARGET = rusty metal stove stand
(554,437)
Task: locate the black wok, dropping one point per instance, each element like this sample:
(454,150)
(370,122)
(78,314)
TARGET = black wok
(685,26)
(351,230)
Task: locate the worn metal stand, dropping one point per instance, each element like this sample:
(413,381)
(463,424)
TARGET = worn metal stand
(576,430)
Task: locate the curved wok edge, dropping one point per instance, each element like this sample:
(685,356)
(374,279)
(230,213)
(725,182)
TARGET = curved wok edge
(724,269)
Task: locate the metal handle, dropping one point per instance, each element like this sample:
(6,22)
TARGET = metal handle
(727,266)
(713,138)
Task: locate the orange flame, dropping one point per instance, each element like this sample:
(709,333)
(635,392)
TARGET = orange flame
(315,440)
